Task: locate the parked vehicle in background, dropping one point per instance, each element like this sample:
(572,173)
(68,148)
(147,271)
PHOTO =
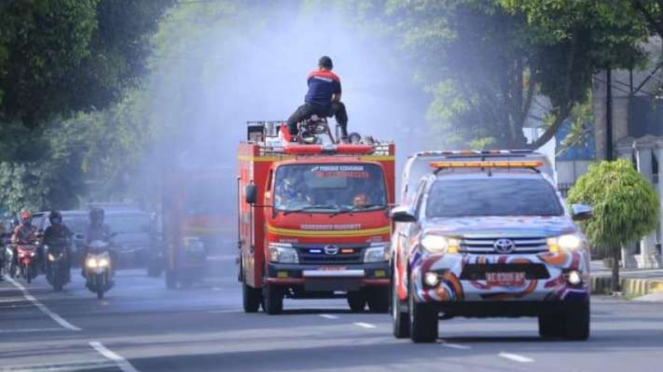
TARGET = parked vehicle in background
(489,239)
(132,229)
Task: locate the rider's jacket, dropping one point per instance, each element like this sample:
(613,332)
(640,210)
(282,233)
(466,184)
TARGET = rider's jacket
(24,234)
(322,85)
(97,232)
(56,234)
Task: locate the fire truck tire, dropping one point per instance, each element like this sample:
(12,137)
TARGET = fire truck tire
(273,299)
(171,279)
(378,300)
(357,301)
(251,298)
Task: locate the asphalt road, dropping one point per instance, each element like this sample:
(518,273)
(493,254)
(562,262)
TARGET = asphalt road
(141,326)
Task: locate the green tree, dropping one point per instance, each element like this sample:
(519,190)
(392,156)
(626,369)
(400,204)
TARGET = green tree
(626,207)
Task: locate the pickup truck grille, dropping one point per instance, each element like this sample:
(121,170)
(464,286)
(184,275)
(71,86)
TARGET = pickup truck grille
(316,255)
(520,245)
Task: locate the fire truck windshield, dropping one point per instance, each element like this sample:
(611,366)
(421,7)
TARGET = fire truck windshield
(329,188)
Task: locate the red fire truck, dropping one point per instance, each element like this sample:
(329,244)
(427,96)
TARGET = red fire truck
(313,221)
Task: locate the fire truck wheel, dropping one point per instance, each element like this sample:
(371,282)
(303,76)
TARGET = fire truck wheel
(378,300)
(357,301)
(273,299)
(251,298)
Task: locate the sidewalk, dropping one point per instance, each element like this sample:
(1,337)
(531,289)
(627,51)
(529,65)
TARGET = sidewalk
(639,284)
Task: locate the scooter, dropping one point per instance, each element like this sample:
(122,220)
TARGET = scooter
(27,261)
(98,268)
(57,265)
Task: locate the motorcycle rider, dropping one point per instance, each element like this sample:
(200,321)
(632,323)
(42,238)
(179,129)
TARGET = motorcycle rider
(323,99)
(58,233)
(25,233)
(97,230)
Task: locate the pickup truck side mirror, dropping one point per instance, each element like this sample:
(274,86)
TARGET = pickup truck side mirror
(581,212)
(250,194)
(402,214)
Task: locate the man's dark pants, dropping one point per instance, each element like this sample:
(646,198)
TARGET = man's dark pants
(307,110)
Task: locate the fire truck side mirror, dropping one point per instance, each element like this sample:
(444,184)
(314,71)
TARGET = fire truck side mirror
(250,194)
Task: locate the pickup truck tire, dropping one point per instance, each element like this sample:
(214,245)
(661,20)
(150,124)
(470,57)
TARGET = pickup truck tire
(356,301)
(424,320)
(400,320)
(251,298)
(577,320)
(551,325)
(273,299)
(378,300)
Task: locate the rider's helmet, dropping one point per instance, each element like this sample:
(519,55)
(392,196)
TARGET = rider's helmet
(326,62)
(97,215)
(26,218)
(55,218)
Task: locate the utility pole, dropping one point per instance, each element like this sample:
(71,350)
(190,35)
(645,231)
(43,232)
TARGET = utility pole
(608,115)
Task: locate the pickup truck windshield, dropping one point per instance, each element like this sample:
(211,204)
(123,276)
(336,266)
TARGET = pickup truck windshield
(492,197)
(329,187)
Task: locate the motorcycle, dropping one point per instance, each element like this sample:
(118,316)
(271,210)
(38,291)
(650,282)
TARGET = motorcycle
(57,265)
(315,128)
(28,268)
(98,268)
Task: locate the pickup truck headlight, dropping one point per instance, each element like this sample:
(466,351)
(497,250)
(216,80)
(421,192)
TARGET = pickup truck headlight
(283,253)
(568,242)
(439,244)
(377,252)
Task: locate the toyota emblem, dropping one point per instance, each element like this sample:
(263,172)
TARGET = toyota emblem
(504,246)
(331,250)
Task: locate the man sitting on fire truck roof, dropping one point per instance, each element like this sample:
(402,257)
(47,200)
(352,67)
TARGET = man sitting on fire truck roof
(323,99)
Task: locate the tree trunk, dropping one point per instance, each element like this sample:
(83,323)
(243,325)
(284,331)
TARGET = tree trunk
(616,256)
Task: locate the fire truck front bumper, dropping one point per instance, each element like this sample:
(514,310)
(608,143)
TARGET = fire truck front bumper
(329,278)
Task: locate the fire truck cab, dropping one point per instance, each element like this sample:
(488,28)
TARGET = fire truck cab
(313,221)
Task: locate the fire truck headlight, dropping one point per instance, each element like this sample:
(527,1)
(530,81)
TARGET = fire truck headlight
(283,253)
(378,252)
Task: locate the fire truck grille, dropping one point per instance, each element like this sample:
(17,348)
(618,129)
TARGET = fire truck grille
(330,255)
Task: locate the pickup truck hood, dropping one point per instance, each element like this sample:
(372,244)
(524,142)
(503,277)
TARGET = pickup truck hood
(511,226)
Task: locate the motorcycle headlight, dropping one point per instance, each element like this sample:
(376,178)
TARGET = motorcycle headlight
(568,242)
(102,262)
(51,257)
(283,253)
(32,254)
(91,263)
(440,244)
(378,252)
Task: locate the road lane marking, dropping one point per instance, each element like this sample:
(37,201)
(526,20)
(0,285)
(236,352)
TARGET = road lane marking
(364,325)
(516,358)
(58,319)
(122,363)
(328,316)
(31,330)
(455,346)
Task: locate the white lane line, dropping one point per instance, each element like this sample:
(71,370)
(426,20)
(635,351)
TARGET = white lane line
(31,330)
(516,358)
(58,319)
(455,346)
(328,316)
(364,325)
(122,363)
(79,365)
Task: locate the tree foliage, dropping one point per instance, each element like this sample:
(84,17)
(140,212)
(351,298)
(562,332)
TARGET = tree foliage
(626,206)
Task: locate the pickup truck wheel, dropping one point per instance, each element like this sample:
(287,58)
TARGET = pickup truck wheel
(424,320)
(577,320)
(401,320)
(273,299)
(356,301)
(251,298)
(378,300)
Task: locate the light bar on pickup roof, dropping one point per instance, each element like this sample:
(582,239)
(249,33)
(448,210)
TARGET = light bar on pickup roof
(475,152)
(487,164)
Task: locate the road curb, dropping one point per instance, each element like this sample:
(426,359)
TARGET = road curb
(631,287)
